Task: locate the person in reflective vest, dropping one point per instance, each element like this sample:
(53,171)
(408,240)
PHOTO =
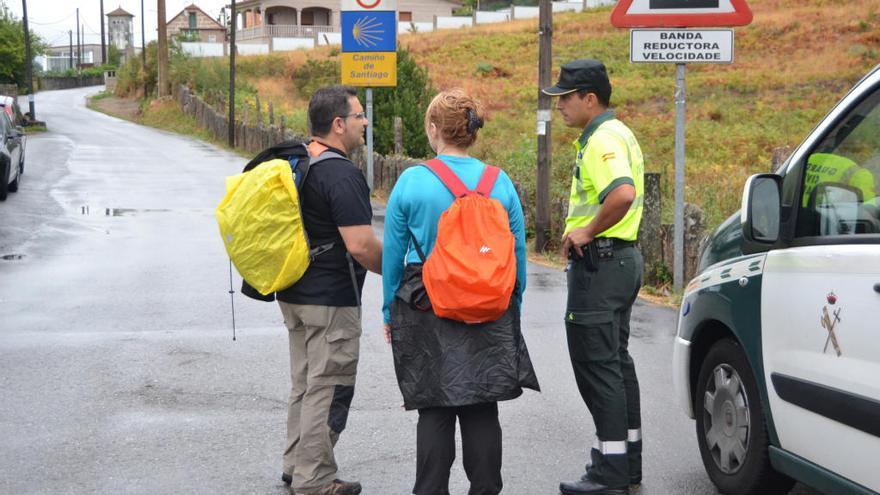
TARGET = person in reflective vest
(604,275)
(824,168)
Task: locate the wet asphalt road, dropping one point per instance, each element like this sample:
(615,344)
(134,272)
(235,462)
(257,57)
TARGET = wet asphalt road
(118,370)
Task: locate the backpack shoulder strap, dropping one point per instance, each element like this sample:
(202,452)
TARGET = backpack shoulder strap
(325,156)
(317,154)
(487,180)
(447,177)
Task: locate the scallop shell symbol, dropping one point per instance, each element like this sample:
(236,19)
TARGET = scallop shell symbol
(367,31)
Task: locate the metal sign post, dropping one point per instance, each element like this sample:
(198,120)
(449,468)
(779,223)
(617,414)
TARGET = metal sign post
(678,241)
(369,53)
(680,46)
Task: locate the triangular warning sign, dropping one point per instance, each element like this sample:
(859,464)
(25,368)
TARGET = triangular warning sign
(680,13)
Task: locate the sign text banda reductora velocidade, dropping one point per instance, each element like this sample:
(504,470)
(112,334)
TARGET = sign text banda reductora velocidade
(681,46)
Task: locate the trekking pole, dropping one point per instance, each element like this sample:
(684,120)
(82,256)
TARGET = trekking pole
(232,300)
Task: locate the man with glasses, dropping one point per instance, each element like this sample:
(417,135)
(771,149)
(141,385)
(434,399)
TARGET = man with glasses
(322,310)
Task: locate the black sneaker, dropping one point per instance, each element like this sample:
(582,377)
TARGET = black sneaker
(589,487)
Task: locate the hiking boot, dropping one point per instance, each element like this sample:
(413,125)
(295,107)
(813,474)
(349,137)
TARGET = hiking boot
(339,487)
(589,487)
(287,479)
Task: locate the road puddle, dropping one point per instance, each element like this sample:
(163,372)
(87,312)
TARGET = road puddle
(130,212)
(121,212)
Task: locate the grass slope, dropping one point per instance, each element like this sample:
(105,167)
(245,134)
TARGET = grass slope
(795,60)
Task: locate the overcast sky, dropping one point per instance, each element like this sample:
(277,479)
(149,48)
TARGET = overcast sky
(52,19)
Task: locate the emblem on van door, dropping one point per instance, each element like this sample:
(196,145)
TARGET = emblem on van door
(829,321)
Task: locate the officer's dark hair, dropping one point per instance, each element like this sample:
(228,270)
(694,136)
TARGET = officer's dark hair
(603,95)
(325,105)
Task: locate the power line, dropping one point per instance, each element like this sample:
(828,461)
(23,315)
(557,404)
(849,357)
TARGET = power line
(90,27)
(55,39)
(32,21)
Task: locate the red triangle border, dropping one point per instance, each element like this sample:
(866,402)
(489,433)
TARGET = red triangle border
(741,16)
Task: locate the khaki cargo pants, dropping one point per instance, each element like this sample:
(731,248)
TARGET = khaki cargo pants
(324,348)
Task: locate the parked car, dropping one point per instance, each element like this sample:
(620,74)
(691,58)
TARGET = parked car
(12,109)
(778,349)
(11,154)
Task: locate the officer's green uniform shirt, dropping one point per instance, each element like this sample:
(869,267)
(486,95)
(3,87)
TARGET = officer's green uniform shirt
(608,156)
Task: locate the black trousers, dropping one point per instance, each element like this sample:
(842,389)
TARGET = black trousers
(480,442)
(597,326)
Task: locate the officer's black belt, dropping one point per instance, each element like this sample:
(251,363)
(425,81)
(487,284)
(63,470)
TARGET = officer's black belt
(614,242)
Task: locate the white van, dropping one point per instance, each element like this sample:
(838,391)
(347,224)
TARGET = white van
(778,349)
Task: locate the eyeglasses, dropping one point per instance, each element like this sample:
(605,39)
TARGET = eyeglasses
(358,115)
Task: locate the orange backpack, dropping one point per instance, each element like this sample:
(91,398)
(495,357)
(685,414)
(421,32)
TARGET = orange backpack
(471,272)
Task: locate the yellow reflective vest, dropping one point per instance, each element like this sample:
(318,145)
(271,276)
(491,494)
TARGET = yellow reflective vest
(608,155)
(825,168)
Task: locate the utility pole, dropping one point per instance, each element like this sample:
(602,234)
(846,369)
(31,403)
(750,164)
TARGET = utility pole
(143,38)
(162,55)
(231,137)
(542,191)
(103,45)
(70,35)
(78,59)
(29,63)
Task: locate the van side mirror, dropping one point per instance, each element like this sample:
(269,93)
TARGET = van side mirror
(761,212)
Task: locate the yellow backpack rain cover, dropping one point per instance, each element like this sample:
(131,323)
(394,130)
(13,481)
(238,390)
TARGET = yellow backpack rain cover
(262,228)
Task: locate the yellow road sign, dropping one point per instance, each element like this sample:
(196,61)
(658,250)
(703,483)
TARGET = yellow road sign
(369,69)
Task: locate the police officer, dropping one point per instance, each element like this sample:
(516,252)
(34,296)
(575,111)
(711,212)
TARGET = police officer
(830,168)
(604,275)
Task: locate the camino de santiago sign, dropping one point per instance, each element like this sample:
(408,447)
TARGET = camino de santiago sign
(369,43)
(673,40)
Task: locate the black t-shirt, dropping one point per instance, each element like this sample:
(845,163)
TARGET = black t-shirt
(334,195)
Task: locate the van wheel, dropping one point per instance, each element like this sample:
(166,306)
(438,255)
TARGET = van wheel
(731,430)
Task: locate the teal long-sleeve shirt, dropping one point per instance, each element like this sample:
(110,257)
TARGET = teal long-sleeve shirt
(415,205)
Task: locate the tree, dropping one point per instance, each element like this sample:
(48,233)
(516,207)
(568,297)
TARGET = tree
(409,101)
(12,64)
(114,57)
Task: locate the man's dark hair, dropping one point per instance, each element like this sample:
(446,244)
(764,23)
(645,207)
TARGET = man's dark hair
(327,104)
(603,95)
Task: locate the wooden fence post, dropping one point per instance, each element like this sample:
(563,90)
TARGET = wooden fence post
(398,136)
(649,230)
(779,156)
(259,111)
